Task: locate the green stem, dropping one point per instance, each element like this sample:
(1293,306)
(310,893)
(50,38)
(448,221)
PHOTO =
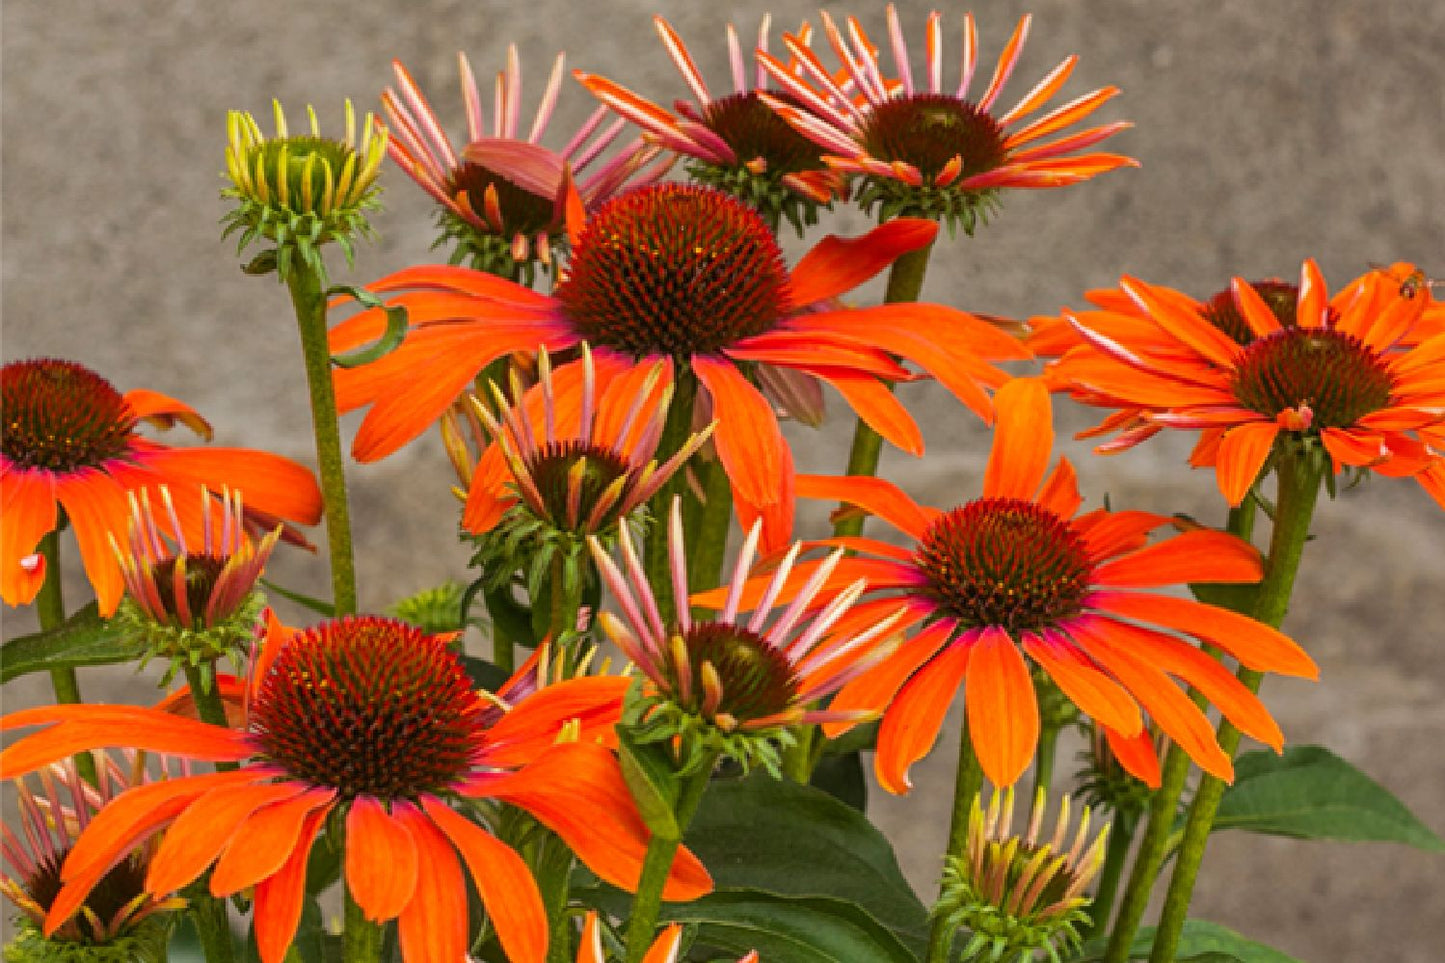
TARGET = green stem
(1299,488)
(675,432)
(213,926)
(798,758)
(647,904)
(361,939)
(1121,835)
(209,705)
(967,784)
(905,282)
(309,300)
(707,528)
(554,876)
(1044,763)
(50,610)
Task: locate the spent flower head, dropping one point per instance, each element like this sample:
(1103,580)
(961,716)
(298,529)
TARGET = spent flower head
(300,192)
(1021,896)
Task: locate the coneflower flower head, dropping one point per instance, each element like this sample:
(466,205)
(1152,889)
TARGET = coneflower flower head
(503,196)
(734,142)
(926,151)
(1022,897)
(300,192)
(190,603)
(731,686)
(119,922)
(579,462)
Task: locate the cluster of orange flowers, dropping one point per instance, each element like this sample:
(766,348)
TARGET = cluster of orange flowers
(673,339)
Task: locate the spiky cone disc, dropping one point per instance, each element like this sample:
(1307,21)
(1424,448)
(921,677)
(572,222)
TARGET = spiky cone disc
(1021,896)
(300,192)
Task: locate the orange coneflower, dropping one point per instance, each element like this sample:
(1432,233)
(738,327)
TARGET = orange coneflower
(732,685)
(370,717)
(503,197)
(664,950)
(1015,573)
(736,142)
(694,275)
(1281,365)
(70,441)
(927,150)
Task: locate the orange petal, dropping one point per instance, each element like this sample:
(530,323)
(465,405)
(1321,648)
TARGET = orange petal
(1253,309)
(164,411)
(1136,754)
(875,689)
(269,483)
(198,835)
(1188,326)
(747,437)
(1202,555)
(1096,695)
(911,725)
(532,727)
(263,843)
(1003,713)
(1242,452)
(433,927)
(877,496)
(836,265)
(381,860)
(491,492)
(1107,534)
(27,500)
(1060,491)
(280,895)
(591,949)
(97,508)
(1313,296)
(1253,643)
(510,894)
(1023,440)
(876,405)
(85,727)
(664,950)
(1358,448)
(577,791)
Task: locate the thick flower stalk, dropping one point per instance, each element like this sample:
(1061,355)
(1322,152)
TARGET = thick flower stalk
(733,141)
(119,921)
(367,723)
(1020,896)
(301,192)
(923,149)
(1348,383)
(503,195)
(71,442)
(692,275)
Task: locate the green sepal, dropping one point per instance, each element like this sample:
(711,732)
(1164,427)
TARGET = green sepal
(390,340)
(84,639)
(650,778)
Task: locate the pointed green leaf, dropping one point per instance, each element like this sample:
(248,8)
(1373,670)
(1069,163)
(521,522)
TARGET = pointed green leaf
(788,929)
(319,606)
(81,640)
(1311,793)
(652,782)
(1200,942)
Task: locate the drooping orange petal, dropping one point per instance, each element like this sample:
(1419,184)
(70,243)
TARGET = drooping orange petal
(1243,451)
(1175,713)
(1136,754)
(664,949)
(433,927)
(381,860)
(269,483)
(591,949)
(775,515)
(1188,326)
(911,725)
(747,437)
(97,508)
(577,791)
(164,411)
(594,703)
(279,896)
(877,496)
(1208,676)
(1003,712)
(1096,695)
(508,891)
(198,835)
(1358,448)
(1253,309)
(876,405)
(836,265)
(875,689)
(263,843)
(1023,440)
(619,386)
(490,494)
(27,500)
(82,728)
(1060,491)
(1253,643)
(1202,555)
(1107,534)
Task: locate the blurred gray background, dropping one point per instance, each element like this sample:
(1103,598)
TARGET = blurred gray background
(1268,132)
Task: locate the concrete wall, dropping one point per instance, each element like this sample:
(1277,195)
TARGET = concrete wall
(1268,132)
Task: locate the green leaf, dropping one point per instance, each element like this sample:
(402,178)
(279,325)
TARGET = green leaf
(1200,942)
(390,339)
(83,639)
(1311,793)
(484,674)
(788,929)
(651,781)
(319,606)
(841,776)
(769,834)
